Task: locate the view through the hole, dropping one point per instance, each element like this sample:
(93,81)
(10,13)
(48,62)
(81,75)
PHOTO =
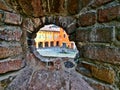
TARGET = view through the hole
(53,41)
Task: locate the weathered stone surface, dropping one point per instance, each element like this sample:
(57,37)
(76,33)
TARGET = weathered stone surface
(10,51)
(85,2)
(28,25)
(54,6)
(11,65)
(10,33)
(99,34)
(97,72)
(102,53)
(45,80)
(37,8)
(41,76)
(65,21)
(22,80)
(98,3)
(71,28)
(73,6)
(109,14)
(87,19)
(118,33)
(1,16)
(99,86)
(83,35)
(12,18)
(4,6)
(26,7)
(37,22)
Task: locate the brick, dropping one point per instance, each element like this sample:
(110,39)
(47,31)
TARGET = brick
(11,65)
(102,53)
(10,51)
(87,19)
(99,34)
(98,3)
(73,6)
(83,35)
(12,18)
(10,33)
(109,14)
(97,72)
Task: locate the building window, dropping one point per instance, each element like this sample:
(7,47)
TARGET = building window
(40,44)
(46,44)
(51,44)
(57,43)
(64,45)
(64,36)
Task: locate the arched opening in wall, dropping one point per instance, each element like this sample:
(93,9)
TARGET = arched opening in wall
(52,42)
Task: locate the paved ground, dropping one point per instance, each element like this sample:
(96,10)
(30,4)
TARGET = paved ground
(57,52)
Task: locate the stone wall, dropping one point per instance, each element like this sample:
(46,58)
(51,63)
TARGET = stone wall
(93,25)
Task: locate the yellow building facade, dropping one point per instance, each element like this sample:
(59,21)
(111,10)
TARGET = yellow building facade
(51,37)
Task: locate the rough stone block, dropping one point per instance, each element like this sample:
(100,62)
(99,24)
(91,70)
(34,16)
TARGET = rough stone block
(87,19)
(10,51)
(83,35)
(10,33)
(11,65)
(109,14)
(97,72)
(98,3)
(99,34)
(12,18)
(102,53)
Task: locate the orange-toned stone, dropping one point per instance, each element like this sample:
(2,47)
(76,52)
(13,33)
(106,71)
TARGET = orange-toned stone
(103,74)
